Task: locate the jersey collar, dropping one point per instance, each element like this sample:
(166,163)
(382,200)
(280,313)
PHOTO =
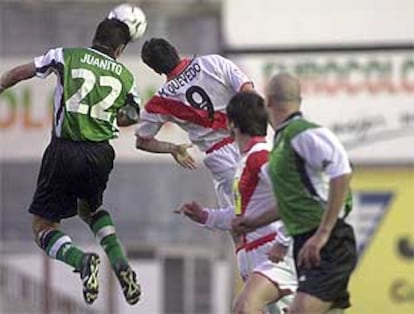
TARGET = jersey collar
(253,141)
(102,51)
(178,69)
(293,116)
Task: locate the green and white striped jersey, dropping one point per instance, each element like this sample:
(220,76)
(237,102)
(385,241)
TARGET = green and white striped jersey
(91,88)
(304,158)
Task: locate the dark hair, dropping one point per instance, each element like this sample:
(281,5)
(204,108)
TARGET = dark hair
(160,55)
(111,34)
(247,111)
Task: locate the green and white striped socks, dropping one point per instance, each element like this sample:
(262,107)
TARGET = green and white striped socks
(59,246)
(104,230)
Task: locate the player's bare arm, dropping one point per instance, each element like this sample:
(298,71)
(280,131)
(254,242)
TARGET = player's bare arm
(17,74)
(243,224)
(310,252)
(179,152)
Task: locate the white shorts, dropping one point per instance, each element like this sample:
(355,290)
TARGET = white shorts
(222,164)
(283,274)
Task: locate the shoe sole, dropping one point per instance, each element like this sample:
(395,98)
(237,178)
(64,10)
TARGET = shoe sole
(130,286)
(91,283)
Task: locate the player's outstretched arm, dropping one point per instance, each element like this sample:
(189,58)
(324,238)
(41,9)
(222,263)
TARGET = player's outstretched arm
(17,74)
(193,211)
(215,219)
(179,152)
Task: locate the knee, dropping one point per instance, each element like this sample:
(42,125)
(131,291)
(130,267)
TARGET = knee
(84,212)
(40,224)
(85,216)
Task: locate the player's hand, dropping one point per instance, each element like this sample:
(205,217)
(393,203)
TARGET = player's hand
(277,253)
(183,158)
(193,211)
(242,225)
(309,255)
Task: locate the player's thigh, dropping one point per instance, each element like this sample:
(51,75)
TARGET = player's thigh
(335,311)
(329,281)
(53,200)
(304,303)
(100,159)
(257,292)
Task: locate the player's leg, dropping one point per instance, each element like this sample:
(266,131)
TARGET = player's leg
(51,203)
(326,287)
(100,164)
(304,303)
(103,227)
(257,292)
(335,311)
(58,245)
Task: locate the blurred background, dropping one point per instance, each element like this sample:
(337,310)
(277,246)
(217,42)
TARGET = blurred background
(356,64)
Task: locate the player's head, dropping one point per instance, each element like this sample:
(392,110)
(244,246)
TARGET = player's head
(112,35)
(283,97)
(246,112)
(160,55)
(283,90)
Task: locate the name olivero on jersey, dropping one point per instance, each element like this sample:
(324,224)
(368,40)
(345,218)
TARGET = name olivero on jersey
(189,74)
(104,64)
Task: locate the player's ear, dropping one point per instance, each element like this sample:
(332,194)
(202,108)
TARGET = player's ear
(231,127)
(119,50)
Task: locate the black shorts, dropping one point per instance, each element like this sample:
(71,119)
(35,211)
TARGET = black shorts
(71,171)
(329,281)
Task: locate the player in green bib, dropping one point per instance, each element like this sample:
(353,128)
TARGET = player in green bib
(310,174)
(94,95)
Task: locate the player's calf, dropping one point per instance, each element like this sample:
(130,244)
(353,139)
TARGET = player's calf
(104,230)
(55,243)
(58,245)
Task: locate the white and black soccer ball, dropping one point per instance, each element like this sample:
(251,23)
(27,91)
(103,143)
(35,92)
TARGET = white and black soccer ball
(132,16)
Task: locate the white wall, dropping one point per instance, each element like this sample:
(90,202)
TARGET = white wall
(366,97)
(301,22)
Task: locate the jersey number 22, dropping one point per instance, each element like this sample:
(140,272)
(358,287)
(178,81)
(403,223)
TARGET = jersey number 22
(98,110)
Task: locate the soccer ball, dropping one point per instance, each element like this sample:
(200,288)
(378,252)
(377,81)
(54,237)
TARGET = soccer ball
(132,16)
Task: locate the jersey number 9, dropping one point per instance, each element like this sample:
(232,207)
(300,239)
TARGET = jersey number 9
(199,99)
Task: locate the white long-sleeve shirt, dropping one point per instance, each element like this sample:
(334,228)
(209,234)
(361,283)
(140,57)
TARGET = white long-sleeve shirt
(253,195)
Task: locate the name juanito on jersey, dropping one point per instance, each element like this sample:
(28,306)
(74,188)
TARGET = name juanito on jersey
(104,64)
(189,74)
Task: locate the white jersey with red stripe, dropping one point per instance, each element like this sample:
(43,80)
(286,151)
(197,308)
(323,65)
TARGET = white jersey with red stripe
(252,196)
(195,98)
